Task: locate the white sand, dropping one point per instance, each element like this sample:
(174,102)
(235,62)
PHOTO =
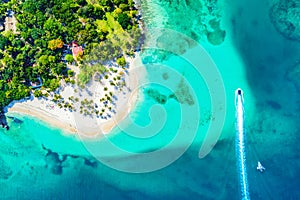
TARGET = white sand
(74,122)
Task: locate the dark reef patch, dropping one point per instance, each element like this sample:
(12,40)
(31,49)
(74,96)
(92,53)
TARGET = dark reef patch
(55,161)
(157,96)
(5,170)
(183,94)
(3,120)
(285,17)
(91,162)
(217,36)
(274,104)
(15,120)
(165,76)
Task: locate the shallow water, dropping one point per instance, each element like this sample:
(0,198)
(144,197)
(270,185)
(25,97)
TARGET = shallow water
(41,162)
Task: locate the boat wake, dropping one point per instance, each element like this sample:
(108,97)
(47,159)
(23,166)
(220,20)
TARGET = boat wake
(240,144)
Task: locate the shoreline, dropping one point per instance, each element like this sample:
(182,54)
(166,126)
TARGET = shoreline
(64,113)
(85,127)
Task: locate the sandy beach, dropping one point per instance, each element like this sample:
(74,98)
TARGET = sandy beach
(74,122)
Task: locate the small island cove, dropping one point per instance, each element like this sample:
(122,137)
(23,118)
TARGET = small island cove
(91,84)
(86,124)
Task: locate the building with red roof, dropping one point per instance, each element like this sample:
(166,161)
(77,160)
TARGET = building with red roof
(77,50)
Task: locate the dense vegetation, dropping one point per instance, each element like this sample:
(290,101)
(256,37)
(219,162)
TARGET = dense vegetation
(45,30)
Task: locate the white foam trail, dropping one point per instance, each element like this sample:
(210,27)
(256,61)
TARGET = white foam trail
(240,145)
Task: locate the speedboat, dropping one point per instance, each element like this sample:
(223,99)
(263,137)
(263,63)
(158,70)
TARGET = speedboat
(239,96)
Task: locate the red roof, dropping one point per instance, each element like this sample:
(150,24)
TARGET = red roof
(76,49)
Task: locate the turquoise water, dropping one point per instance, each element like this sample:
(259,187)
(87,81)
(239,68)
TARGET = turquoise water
(41,162)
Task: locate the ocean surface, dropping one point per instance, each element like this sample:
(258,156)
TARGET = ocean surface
(186,105)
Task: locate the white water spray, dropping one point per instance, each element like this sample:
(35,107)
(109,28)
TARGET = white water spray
(240,145)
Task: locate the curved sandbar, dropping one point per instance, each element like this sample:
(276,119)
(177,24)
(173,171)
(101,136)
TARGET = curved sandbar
(77,123)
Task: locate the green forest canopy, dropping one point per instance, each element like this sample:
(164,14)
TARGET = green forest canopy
(45,28)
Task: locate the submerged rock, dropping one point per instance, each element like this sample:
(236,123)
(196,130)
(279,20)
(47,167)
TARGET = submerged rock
(16,120)
(3,120)
(5,170)
(90,162)
(165,76)
(157,96)
(53,161)
(56,162)
(57,169)
(182,94)
(285,16)
(216,37)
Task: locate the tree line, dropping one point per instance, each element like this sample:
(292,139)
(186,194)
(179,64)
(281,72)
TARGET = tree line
(46,28)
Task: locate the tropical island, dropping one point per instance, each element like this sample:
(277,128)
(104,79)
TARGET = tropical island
(60,59)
